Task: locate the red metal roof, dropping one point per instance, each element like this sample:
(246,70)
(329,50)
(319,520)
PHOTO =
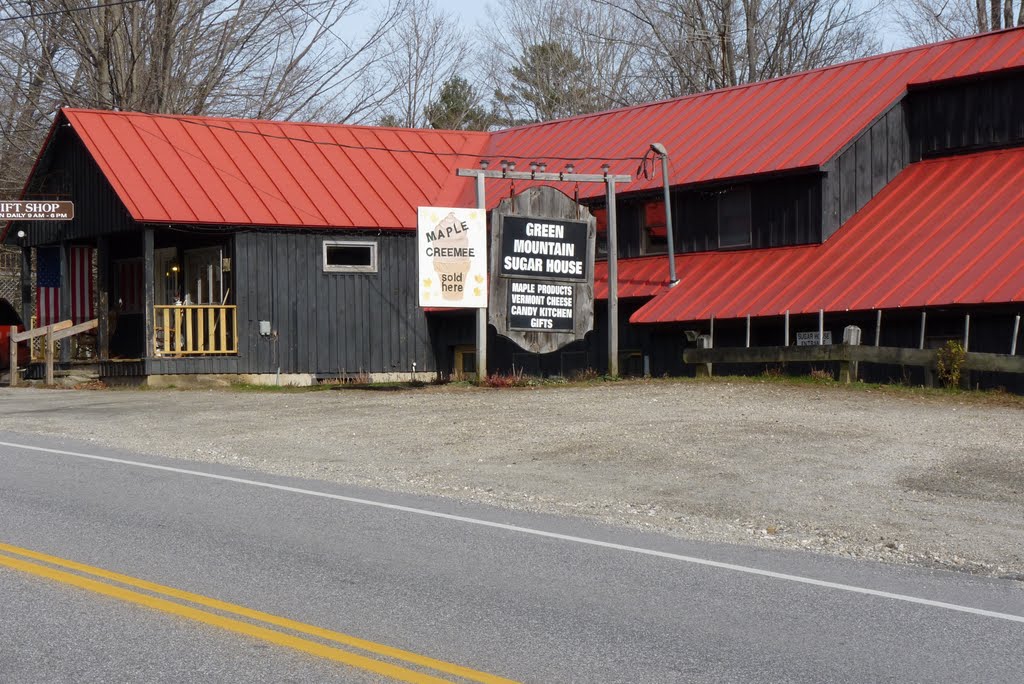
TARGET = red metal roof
(177,169)
(180,169)
(945,231)
(643,277)
(794,122)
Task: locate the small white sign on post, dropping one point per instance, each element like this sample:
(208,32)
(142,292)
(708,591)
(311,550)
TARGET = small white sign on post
(452,248)
(808,339)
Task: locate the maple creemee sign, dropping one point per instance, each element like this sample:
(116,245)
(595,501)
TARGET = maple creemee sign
(36,210)
(452,250)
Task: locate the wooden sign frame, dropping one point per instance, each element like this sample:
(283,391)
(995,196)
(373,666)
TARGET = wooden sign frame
(548,203)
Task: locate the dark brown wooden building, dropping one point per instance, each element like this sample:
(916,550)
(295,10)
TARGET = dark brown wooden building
(890,184)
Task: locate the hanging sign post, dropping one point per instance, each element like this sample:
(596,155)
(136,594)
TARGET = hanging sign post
(542,261)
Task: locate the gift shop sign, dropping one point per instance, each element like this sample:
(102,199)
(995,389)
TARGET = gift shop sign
(36,211)
(452,248)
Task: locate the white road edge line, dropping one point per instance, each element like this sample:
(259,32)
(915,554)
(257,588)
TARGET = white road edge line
(538,533)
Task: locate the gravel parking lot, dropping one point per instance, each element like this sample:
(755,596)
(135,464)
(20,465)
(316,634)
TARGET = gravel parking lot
(893,475)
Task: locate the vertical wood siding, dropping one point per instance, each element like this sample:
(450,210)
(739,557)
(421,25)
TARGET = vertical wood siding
(863,168)
(73,175)
(967,116)
(328,323)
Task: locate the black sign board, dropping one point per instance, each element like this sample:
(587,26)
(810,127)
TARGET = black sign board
(542,269)
(540,306)
(543,248)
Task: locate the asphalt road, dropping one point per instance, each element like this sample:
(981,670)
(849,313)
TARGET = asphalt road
(527,597)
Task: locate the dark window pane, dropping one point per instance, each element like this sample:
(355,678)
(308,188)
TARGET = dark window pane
(734,218)
(349,255)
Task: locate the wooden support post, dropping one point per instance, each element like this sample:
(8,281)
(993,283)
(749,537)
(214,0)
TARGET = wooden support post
(613,280)
(149,293)
(878,328)
(26,286)
(13,365)
(223,323)
(48,354)
(64,305)
(103,297)
(845,373)
(711,341)
(924,321)
(481,313)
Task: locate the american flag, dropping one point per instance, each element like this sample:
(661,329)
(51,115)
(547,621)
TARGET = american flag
(47,285)
(129,285)
(82,308)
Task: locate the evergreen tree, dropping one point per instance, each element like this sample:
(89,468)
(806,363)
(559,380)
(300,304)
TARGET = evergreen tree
(457,107)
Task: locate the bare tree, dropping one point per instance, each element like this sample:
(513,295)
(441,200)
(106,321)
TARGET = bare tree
(927,21)
(427,48)
(697,45)
(552,58)
(250,58)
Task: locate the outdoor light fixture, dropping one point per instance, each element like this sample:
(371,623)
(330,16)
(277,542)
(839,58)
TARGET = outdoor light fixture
(504,165)
(605,168)
(533,167)
(543,167)
(484,163)
(511,165)
(21,235)
(570,168)
(659,149)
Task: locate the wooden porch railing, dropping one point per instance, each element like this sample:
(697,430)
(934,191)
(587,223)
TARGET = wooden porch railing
(51,333)
(195,330)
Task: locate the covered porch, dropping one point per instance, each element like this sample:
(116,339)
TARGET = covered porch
(158,294)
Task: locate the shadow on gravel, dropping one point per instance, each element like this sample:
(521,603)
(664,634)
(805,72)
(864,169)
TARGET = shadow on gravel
(384,387)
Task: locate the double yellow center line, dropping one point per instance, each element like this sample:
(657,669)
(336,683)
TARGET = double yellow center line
(395,663)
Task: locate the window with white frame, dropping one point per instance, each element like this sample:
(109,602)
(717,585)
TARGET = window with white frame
(350,256)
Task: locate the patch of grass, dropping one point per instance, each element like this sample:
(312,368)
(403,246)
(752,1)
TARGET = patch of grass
(821,375)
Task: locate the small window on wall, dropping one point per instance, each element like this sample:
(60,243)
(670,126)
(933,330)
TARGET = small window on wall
(734,218)
(350,256)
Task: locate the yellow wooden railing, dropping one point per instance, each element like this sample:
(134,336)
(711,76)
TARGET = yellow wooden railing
(195,330)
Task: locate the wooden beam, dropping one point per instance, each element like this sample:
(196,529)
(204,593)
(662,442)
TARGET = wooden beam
(26,286)
(72,330)
(896,356)
(65,296)
(13,348)
(149,294)
(48,355)
(38,332)
(103,297)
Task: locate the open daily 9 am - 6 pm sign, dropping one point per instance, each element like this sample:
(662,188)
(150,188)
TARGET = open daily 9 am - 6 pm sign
(542,289)
(452,247)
